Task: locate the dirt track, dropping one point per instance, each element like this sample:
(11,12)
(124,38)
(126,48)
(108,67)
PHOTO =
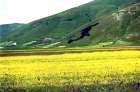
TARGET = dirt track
(60,51)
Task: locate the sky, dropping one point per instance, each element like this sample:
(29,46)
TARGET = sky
(24,11)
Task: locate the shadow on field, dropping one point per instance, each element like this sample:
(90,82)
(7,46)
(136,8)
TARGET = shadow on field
(9,83)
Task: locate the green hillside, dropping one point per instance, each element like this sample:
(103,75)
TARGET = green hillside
(56,30)
(6,28)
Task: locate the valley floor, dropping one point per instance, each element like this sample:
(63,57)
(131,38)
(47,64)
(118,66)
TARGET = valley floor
(100,71)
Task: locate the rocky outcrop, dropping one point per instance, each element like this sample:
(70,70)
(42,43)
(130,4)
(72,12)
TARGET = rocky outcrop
(130,10)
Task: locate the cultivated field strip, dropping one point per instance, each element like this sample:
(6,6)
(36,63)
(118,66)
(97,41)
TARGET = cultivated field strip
(115,71)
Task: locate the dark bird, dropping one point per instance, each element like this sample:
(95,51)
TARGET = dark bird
(84,32)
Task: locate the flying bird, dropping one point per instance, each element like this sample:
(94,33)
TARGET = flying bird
(84,32)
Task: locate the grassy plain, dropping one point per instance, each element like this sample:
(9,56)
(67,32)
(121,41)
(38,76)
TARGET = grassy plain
(105,71)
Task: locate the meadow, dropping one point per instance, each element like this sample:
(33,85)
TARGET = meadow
(100,71)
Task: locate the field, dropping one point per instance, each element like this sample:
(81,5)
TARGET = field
(99,71)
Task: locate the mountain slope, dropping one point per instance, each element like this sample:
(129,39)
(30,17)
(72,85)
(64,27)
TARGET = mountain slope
(113,32)
(67,24)
(6,28)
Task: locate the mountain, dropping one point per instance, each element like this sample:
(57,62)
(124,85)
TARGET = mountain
(118,26)
(6,28)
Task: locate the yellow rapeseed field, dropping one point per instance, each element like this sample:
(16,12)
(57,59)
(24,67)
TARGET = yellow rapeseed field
(80,69)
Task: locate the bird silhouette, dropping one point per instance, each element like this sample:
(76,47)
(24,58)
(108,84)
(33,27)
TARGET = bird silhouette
(84,32)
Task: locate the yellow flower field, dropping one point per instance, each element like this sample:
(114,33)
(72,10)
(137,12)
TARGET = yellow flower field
(114,71)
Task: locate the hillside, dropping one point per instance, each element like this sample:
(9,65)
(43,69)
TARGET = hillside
(56,30)
(6,28)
